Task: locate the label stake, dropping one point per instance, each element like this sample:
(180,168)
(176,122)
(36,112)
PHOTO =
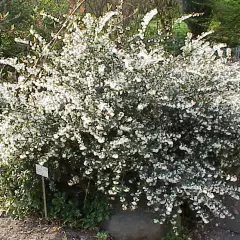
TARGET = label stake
(43,171)
(44,197)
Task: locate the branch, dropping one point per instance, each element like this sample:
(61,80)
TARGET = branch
(64,24)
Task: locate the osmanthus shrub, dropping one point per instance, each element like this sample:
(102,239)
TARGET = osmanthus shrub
(118,114)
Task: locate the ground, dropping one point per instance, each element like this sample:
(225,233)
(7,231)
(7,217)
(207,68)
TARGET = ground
(218,229)
(35,230)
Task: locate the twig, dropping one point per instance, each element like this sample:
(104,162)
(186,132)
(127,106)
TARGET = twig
(64,24)
(86,194)
(62,27)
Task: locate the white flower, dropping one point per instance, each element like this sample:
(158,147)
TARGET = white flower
(147,18)
(101,69)
(124,207)
(115,156)
(210,195)
(233,178)
(149,180)
(149,198)
(179,211)
(140,107)
(222,216)
(155,220)
(205,220)
(101,139)
(200,139)
(112,192)
(103,20)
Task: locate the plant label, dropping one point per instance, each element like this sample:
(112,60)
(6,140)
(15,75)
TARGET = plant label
(41,170)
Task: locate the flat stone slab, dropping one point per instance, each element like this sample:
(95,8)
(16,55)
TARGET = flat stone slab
(229,224)
(222,229)
(134,225)
(232,225)
(215,233)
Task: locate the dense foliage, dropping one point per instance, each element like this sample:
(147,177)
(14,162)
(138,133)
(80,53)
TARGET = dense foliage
(108,113)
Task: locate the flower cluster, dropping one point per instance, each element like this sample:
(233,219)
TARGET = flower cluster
(129,117)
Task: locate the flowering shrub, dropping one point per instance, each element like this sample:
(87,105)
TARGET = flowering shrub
(116,114)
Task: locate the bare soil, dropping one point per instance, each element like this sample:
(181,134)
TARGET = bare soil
(30,229)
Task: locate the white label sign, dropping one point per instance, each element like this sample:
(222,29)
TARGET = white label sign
(41,170)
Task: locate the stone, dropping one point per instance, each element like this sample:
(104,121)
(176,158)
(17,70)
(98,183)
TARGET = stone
(134,225)
(215,233)
(222,229)
(229,224)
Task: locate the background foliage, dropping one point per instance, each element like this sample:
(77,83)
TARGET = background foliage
(20,16)
(220,15)
(226,22)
